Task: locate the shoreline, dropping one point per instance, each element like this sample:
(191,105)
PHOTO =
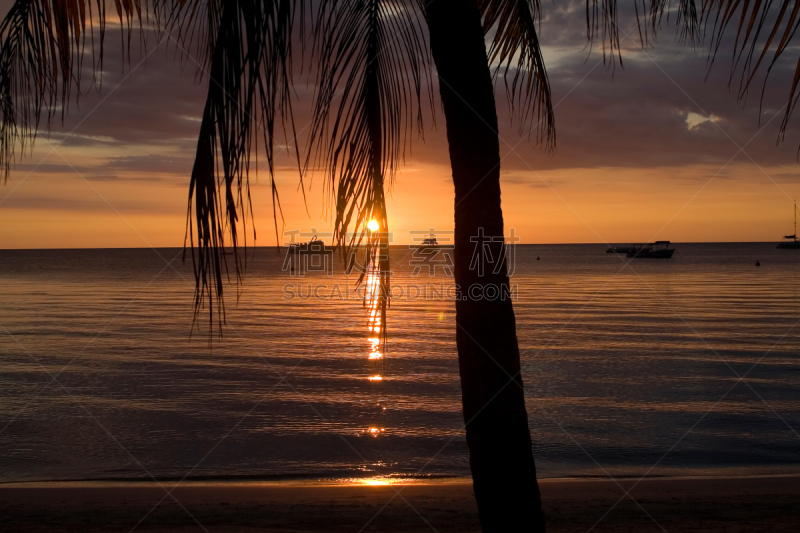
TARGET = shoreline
(674,504)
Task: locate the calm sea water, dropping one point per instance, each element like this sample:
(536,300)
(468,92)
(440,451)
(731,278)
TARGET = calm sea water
(681,366)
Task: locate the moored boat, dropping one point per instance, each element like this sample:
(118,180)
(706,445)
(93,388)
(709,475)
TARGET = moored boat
(429,243)
(653,250)
(791,242)
(314,246)
(620,249)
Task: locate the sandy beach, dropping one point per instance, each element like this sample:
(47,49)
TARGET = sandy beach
(730,504)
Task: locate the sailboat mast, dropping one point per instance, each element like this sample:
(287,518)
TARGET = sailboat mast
(792,242)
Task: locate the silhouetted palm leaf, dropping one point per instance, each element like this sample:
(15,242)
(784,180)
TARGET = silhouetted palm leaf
(764,31)
(515,48)
(686,19)
(602,24)
(248,89)
(43,45)
(373,64)
(194,24)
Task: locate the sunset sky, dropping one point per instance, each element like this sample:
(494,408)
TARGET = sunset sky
(649,151)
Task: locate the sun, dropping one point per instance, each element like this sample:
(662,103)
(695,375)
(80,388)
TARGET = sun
(373,225)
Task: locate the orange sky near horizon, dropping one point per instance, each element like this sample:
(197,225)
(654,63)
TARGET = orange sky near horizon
(598,206)
(648,153)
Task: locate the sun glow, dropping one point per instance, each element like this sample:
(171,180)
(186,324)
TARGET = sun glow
(375,482)
(373,225)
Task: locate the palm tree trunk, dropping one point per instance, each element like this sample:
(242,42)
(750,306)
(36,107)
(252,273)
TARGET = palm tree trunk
(503,471)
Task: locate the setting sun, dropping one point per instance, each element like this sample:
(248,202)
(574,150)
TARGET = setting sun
(373,225)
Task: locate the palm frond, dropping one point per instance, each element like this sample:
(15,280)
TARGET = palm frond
(764,30)
(41,59)
(194,25)
(248,91)
(516,50)
(373,64)
(602,24)
(687,19)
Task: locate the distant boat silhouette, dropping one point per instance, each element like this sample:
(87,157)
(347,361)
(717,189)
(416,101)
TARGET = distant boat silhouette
(621,249)
(791,242)
(654,250)
(429,243)
(314,246)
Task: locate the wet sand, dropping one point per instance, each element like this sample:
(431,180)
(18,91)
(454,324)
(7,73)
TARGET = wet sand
(730,504)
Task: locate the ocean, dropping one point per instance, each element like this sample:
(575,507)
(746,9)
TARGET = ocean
(685,366)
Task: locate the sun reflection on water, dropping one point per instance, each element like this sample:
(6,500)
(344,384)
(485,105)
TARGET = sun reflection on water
(375,348)
(375,431)
(374,481)
(374,318)
(375,305)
